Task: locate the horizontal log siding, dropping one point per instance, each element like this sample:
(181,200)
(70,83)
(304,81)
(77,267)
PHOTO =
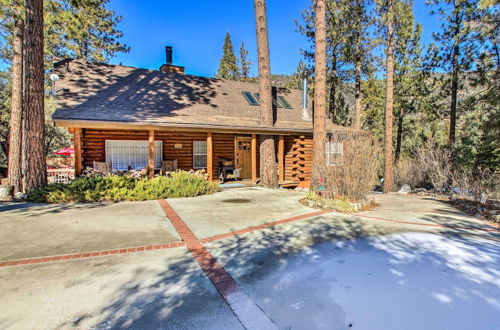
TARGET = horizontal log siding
(183,155)
(298,149)
(93,145)
(223,148)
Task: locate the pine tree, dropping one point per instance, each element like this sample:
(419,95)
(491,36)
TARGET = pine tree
(300,73)
(228,68)
(410,74)
(245,63)
(16,105)
(33,163)
(63,20)
(268,173)
(387,11)
(76,29)
(319,128)
(486,80)
(373,106)
(457,46)
(89,30)
(337,63)
(348,47)
(360,57)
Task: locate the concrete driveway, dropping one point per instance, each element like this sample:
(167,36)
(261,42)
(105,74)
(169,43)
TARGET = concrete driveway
(31,230)
(251,258)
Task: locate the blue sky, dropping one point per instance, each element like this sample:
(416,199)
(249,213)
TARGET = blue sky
(196,30)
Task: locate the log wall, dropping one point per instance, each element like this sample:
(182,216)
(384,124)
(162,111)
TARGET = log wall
(298,158)
(298,149)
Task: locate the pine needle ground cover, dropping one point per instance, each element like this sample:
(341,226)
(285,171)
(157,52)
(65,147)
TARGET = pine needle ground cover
(115,188)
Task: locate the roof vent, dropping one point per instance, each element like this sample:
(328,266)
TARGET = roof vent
(305,114)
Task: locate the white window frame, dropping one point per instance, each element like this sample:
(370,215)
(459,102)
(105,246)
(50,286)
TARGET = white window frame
(134,153)
(334,148)
(195,154)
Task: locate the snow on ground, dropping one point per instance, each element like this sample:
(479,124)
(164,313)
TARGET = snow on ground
(404,281)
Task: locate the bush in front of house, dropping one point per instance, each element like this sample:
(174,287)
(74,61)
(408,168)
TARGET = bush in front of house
(115,188)
(354,175)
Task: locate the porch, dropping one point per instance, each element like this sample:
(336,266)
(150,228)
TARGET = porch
(198,150)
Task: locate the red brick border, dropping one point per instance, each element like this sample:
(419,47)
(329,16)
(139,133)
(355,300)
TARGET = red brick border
(188,237)
(221,279)
(243,308)
(88,255)
(263,226)
(493,230)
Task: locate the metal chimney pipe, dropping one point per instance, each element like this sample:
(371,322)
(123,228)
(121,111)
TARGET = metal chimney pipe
(305,115)
(168,55)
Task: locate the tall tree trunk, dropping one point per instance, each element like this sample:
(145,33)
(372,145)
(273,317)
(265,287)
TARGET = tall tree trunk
(389,100)
(454,91)
(33,163)
(358,64)
(319,129)
(333,90)
(268,172)
(16,107)
(399,135)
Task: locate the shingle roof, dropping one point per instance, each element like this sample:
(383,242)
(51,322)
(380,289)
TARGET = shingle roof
(103,92)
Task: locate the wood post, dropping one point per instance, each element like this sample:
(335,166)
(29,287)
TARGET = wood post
(151,163)
(77,145)
(281,159)
(210,157)
(254,158)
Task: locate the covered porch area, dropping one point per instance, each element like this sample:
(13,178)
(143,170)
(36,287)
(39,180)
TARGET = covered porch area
(212,151)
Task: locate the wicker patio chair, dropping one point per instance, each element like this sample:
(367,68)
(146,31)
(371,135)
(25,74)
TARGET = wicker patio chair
(168,166)
(103,167)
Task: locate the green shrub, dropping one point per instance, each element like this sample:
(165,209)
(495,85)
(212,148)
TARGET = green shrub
(115,188)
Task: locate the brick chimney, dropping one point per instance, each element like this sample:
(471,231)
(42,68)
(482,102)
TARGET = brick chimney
(168,66)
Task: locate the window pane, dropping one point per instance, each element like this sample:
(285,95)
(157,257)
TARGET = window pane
(334,153)
(199,154)
(250,98)
(134,154)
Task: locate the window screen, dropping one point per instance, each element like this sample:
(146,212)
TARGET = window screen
(128,154)
(334,153)
(199,154)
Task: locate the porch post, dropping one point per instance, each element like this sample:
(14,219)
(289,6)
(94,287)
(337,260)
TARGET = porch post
(77,145)
(254,158)
(281,159)
(210,157)
(151,163)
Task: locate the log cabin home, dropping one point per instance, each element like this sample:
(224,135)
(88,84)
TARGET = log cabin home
(137,118)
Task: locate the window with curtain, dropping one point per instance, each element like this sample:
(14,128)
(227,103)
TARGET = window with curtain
(129,154)
(199,154)
(334,153)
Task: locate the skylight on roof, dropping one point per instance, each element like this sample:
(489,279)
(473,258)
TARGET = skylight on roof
(254,99)
(284,102)
(250,98)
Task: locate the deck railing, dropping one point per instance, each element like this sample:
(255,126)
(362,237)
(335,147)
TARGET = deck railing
(60,175)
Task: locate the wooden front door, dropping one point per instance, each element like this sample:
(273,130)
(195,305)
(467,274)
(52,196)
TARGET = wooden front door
(243,156)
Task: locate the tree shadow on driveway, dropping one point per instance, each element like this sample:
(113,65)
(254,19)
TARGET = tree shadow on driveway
(37,209)
(181,297)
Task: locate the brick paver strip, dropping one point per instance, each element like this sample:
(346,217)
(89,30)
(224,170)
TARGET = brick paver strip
(493,230)
(263,226)
(87,255)
(245,310)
